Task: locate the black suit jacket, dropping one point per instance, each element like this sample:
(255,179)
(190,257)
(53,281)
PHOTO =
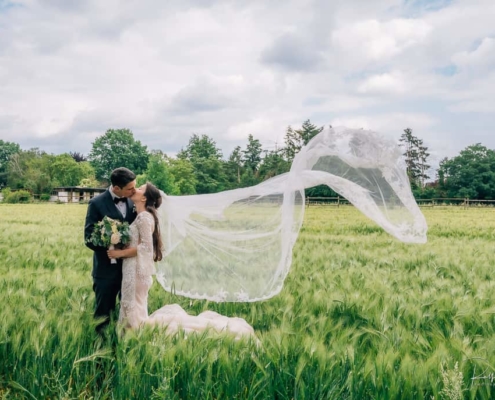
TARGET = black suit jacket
(99,207)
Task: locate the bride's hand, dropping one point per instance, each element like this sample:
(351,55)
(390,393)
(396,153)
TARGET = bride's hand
(114,254)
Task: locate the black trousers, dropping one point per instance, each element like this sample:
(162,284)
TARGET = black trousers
(106,292)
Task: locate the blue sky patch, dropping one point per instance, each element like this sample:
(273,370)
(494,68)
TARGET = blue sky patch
(6,5)
(416,8)
(448,70)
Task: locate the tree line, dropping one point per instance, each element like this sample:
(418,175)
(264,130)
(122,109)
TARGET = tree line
(200,167)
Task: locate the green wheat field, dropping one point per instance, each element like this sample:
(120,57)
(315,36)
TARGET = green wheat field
(361,316)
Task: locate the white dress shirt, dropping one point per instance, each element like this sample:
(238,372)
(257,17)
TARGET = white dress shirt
(121,206)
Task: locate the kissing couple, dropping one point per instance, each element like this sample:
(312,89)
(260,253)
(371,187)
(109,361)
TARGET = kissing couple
(131,277)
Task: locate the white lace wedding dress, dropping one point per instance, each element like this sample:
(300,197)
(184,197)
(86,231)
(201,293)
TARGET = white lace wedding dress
(137,280)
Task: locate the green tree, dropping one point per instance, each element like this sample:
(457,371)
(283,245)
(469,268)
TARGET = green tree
(40,172)
(423,164)
(308,131)
(205,157)
(38,175)
(158,172)
(16,169)
(248,178)
(7,150)
(30,169)
(441,178)
(273,164)
(88,174)
(200,147)
(234,168)
(117,148)
(183,172)
(471,174)
(296,139)
(416,154)
(210,175)
(252,155)
(66,171)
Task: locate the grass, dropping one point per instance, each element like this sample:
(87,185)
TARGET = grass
(361,316)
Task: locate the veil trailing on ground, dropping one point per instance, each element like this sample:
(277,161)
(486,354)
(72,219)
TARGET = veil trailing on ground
(237,245)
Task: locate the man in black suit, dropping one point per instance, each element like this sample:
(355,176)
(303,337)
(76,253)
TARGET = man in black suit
(107,277)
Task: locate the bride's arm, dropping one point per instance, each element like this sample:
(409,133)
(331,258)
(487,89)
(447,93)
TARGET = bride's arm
(145,251)
(124,253)
(145,246)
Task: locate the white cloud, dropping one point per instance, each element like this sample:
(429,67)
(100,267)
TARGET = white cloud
(389,123)
(389,83)
(378,42)
(478,97)
(264,128)
(209,93)
(480,60)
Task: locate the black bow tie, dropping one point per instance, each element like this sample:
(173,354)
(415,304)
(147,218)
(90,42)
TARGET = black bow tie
(116,200)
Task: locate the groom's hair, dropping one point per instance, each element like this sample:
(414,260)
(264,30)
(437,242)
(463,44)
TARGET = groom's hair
(121,177)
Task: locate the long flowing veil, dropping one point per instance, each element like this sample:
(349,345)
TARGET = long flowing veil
(237,245)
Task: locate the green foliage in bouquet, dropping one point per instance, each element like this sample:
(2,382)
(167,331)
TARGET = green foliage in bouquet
(109,232)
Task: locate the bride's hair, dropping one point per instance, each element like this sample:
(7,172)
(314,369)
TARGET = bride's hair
(153,201)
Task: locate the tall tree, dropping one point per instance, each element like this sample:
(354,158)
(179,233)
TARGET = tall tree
(416,154)
(31,169)
(158,172)
(184,177)
(273,164)
(248,178)
(423,163)
(200,147)
(205,157)
(66,171)
(308,131)
(117,148)
(252,155)
(292,144)
(234,168)
(441,178)
(7,150)
(296,139)
(210,175)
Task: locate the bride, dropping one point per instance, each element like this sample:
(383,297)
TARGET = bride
(138,267)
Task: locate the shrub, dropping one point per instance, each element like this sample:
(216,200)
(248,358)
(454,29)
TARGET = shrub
(5,193)
(45,197)
(19,196)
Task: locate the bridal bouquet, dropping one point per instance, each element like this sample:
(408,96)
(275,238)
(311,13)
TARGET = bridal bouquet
(109,233)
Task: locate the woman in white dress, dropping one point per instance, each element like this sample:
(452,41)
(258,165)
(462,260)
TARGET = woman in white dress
(138,267)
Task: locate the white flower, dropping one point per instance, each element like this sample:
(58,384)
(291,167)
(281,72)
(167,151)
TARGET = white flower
(115,239)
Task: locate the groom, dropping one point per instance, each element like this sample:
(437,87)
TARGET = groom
(107,277)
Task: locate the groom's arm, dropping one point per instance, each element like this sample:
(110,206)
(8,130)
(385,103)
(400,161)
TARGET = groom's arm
(93,215)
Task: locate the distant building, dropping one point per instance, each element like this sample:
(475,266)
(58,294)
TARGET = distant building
(74,194)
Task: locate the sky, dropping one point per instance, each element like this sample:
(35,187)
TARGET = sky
(71,69)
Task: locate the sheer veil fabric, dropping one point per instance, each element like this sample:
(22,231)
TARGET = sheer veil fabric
(237,245)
